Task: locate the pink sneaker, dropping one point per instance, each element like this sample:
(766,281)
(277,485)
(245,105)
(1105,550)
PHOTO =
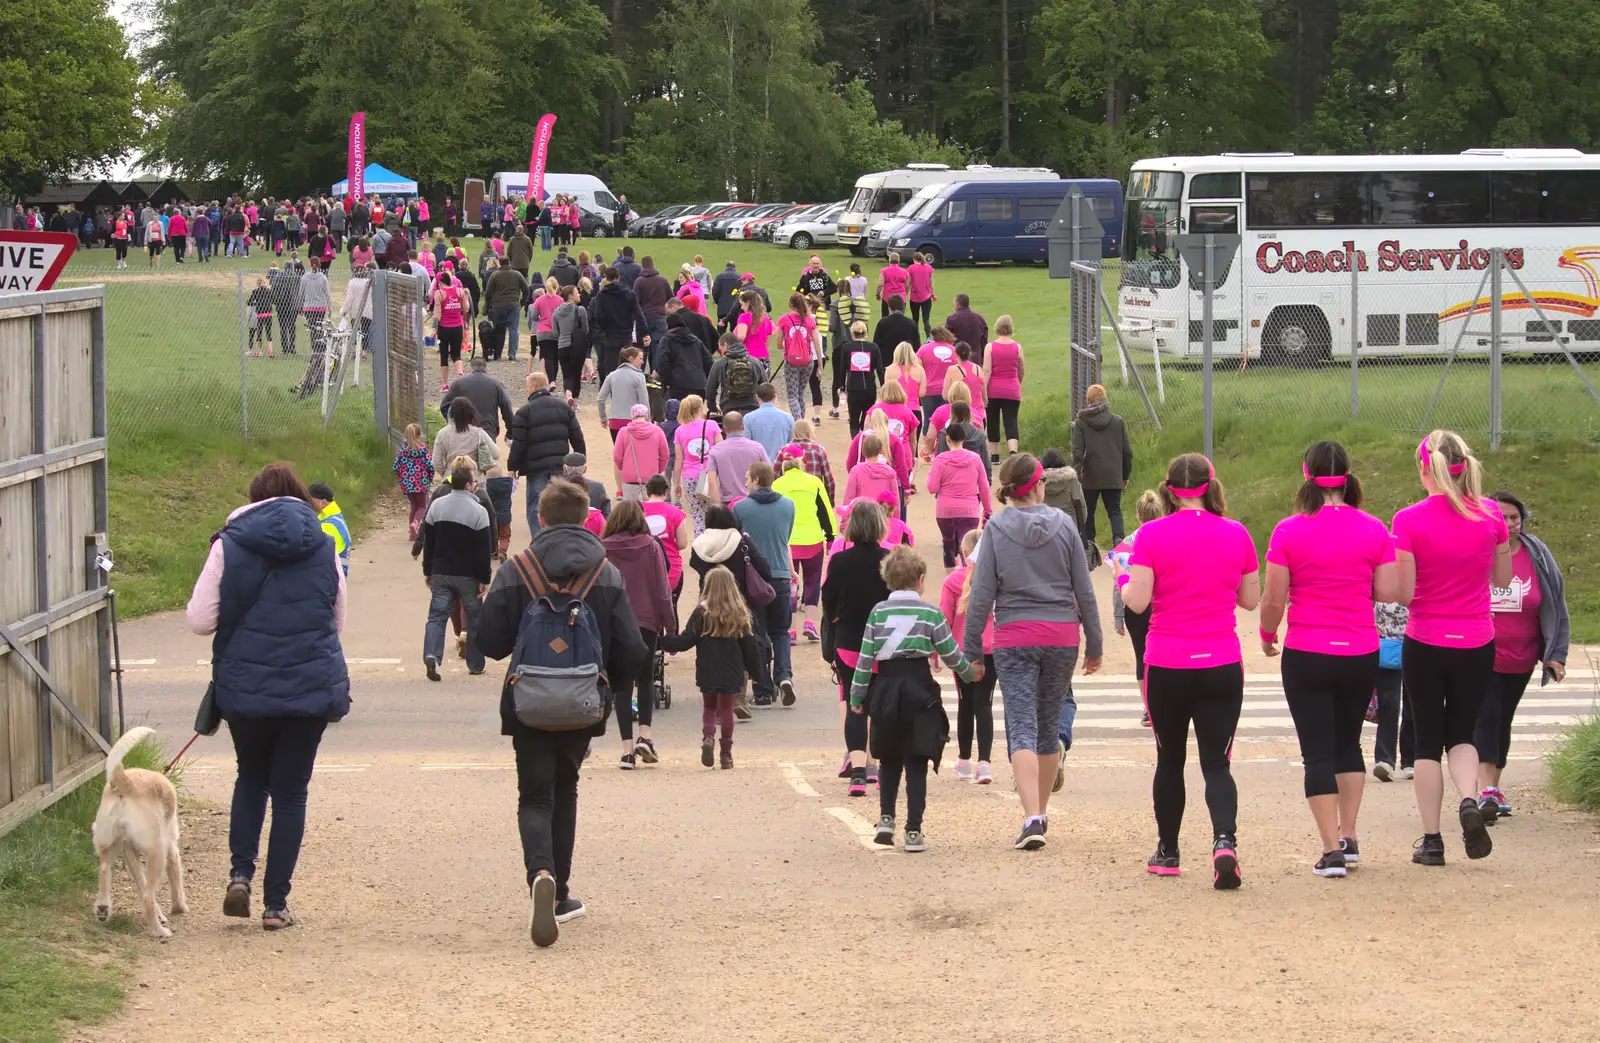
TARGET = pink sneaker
(963,771)
(793,640)
(984,778)
(811,631)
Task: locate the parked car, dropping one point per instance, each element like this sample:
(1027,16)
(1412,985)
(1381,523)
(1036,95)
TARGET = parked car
(690,228)
(817,226)
(739,226)
(654,225)
(717,227)
(752,230)
(674,225)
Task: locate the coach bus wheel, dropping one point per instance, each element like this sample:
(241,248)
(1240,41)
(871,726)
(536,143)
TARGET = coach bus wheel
(1297,336)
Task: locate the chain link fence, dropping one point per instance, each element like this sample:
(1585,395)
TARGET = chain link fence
(1513,356)
(245,345)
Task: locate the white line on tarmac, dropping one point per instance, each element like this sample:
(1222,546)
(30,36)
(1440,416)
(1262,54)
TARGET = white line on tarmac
(864,831)
(479,766)
(796,778)
(139,662)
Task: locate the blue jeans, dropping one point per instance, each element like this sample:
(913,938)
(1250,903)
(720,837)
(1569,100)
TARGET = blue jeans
(509,316)
(1069,713)
(544,238)
(536,484)
(929,404)
(447,590)
(775,619)
(656,330)
(275,757)
(235,245)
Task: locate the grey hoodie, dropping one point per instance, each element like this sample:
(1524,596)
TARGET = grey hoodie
(1555,625)
(1031,567)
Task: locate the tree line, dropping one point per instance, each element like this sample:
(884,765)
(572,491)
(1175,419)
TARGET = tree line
(780,99)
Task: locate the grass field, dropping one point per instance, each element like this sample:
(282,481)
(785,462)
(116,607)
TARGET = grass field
(181,321)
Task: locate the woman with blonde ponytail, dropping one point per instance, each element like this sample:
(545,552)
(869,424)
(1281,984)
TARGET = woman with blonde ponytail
(1450,548)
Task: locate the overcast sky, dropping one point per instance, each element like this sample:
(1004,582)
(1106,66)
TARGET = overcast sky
(134,21)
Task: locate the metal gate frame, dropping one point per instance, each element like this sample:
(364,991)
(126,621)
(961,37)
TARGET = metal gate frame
(399,361)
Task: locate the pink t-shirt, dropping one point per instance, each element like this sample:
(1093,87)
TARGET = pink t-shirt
(902,422)
(596,522)
(1455,561)
(1331,557)
(755,341)
(1005,370)
(663,519)
(941,417)
(1516,617)
(694,441)
(1198,560)
(950,601)
(545,306)
(920,276)
(894,281)
(936,357)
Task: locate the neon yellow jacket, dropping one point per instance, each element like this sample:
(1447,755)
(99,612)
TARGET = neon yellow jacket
(810,497)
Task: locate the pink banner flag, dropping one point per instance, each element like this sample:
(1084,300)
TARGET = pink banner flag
(357,163)
(541,150)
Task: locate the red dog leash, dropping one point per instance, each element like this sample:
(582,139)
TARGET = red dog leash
(181,752)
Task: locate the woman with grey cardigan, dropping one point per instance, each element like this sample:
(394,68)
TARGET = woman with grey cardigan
(316,303)
(571,322)
(1030,571)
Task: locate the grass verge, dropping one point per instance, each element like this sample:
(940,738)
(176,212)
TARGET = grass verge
(58,965)
(1574,766)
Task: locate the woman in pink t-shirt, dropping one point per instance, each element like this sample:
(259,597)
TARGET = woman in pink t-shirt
(936,356)
(919,287)
(695,436)
(754,326)
(1192,568)
(891,283)
(1002,377)
(1447,548)
(541,312)
(1328,563)
(1451,548)
(669,525)
(1531,627)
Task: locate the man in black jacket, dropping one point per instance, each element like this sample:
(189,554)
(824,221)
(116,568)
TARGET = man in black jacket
(695,323)
(562,270)
(486,394)
(683,361)
(653,292)
(725,295)
(457,544)
(548,762)
(542,434)
(614,314)
(815,280)
(627,268)
(893,328)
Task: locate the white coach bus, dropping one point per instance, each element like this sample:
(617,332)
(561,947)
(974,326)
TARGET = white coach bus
(1418,230)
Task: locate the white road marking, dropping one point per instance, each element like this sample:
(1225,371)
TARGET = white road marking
(371,662)
(342,767)
(139,662)
(477,766)
(797,779)
(864,831)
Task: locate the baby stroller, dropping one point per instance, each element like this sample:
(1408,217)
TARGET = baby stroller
(658,677)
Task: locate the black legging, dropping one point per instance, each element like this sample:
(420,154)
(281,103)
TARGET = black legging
(644,683)
(1138,624)
(1001,409)
(572,358)
(1444,691)
(816,386)
(548,355)
(1113,501)
(1492,736)
(922,314)
(859,403)
(836,393)
(1328,697)
(975,706)
(915,769)
(1211,697)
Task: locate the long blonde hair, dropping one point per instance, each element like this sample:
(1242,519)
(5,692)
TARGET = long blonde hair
(905,357)
(726,614)
(878,424)
(414,437)
(692,408)
(1440,453)
(956,389)
(969,541)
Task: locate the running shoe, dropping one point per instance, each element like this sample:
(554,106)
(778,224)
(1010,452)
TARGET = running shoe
(432,666)
(1489,808)
(1331,864)
(885,833)
(444,389)
(1352,852)
(811,631)
(1061,773)
(1225,874)
(858,784)
(1163,862)
(645,750)
(627,762)
(1502,806)
(964,772)
(833,414)
(816,418)
(1383,772)
(461,646)
(786,691)
(872,775)
(543,928)
(1473,831)
(915,841)
(1505,805)
(1429,851)
(1408,772)
(569,909)
(793,639)
(1144,718)
(707,758)
(1031,838)
(984,777)
(742,712)
(845,769)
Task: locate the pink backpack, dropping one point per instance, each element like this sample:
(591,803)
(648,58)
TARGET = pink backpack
(796,342)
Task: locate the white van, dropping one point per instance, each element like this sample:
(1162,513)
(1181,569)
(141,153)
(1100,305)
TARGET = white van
(880,195)
(590,192)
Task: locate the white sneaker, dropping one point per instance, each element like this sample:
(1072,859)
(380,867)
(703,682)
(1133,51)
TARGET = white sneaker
(1408,773)
(1383,772)
(964,771)
(984,777)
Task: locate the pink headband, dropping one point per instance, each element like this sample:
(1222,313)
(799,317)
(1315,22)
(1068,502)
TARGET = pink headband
(1026,487)
(1425,459)
(1325,481)
(1198,491)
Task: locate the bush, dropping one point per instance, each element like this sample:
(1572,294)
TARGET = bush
(1575,765)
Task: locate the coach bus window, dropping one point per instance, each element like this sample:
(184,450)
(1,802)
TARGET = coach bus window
(1214,186)
(1436,198)
(1150,256)
(1218,219)
(1572,197)
(1517,198)
(1306,200)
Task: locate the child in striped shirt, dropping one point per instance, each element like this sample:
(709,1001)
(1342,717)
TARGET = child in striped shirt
(894,686)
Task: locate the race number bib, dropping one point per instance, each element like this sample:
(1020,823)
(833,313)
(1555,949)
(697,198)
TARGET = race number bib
(657,525)
(943,353)
(1509,599)
(860,361)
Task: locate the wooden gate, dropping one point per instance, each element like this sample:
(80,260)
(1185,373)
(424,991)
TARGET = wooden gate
(55,622)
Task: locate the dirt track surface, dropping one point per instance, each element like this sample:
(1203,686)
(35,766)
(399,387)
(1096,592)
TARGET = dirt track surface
(744,904)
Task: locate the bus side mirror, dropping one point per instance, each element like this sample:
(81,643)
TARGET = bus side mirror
(938,218)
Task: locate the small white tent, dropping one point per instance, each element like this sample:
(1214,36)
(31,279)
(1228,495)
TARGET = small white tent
(380,179)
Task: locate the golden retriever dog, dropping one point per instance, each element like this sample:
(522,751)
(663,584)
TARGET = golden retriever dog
(138,819)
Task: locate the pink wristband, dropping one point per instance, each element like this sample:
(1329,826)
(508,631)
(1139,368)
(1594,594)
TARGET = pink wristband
(1269,636)
(1122,580)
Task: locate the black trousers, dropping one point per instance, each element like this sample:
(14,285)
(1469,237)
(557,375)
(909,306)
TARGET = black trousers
(860,403)
(1328,697)
(286,328)
(1113,502)
(1138,624)
(571,358)
(922,315)
(975,712)
(548,355)
(915,769)
(1444,691)
(547,800)
(1492,735)
(1390,724)
(1212,699)
(644,683)
(1002,412)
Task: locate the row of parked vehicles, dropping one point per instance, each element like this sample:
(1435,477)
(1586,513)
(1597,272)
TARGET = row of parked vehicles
(976,213)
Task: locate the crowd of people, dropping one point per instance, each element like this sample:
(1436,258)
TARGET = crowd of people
(1446,611)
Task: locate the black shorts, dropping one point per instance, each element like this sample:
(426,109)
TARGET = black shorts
(450,344)
(154,246)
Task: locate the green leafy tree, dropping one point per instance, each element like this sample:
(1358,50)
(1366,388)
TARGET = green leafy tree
(66,91)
